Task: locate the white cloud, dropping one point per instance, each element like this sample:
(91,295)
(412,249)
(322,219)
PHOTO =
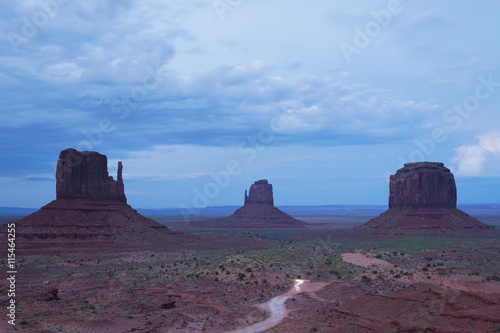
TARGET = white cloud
(479,159)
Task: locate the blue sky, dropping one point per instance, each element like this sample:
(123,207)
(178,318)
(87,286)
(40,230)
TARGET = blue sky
(201,98)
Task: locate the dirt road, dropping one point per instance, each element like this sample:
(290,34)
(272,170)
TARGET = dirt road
(276,306)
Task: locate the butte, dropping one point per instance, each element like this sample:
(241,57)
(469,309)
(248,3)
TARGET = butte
(423,199)
(90,213)
(257,212)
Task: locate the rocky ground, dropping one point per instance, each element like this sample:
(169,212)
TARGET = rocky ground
(419,283)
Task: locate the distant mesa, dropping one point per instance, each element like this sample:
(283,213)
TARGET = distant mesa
(90,212)
(261,192)
(423,199)
(257,212)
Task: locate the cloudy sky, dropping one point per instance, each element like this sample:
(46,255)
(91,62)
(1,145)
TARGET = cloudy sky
(201,98)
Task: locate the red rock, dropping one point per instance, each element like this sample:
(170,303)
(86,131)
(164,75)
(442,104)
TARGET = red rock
(257,212)
(261,192)
(85,175)
(90,213)
(423,184)
(423,199)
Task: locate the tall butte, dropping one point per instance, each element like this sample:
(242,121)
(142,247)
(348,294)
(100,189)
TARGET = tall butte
(90,213)
(257,212)
(423,199)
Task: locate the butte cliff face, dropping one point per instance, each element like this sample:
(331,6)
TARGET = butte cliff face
(423,184)
(84,175)
(257,212)
(90,213)
(261,192)
(423,199)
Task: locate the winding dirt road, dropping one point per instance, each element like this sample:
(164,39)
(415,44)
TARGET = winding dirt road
(276,306)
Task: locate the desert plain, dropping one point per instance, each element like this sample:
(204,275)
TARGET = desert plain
(223,280)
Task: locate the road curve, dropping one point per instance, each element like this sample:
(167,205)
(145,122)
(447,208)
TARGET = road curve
(276,306)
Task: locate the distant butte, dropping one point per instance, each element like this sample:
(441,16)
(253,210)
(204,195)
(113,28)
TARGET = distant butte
(90,213)
(423,199)
(257,212)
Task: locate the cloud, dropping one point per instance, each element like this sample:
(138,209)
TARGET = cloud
(480,159)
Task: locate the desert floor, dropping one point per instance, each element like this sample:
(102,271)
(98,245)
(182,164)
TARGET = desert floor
(355,283)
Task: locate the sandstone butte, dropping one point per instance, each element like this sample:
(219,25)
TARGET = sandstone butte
(90,212)
(258,211)
(423,199)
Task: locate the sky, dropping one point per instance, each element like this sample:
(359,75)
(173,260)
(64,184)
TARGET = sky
(201,98)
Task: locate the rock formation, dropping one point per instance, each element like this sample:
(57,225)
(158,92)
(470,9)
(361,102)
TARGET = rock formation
(423,184)
(261,192)
(423,199)
(257,212)
(90,212)
(84,175)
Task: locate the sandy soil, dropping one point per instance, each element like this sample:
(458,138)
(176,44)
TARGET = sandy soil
(362,260)
(434,284)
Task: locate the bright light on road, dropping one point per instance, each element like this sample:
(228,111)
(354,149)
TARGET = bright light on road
(297,284)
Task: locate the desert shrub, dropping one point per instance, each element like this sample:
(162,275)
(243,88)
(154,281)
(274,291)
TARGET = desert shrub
(241,276)
(425,269)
